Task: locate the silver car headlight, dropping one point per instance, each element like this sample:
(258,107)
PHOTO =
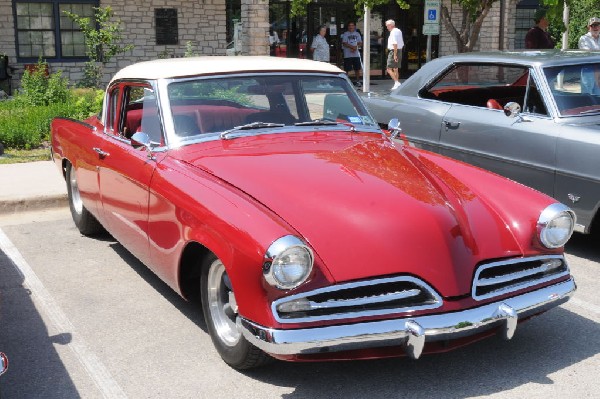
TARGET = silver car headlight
(288,263)
(555,225)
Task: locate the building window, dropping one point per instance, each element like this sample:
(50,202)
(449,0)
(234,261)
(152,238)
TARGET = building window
(43,30)
(524,21)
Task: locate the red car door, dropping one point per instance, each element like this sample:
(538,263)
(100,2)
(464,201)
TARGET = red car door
(125,174)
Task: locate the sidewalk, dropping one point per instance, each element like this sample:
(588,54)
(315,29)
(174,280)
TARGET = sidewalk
(382,86)
(31,186)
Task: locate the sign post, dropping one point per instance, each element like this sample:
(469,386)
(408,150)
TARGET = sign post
(431,26)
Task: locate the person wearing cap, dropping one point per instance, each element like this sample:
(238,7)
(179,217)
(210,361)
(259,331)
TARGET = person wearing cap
(538,37)
(591,40)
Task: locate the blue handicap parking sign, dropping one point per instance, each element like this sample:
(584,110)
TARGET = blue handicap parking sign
(431,16)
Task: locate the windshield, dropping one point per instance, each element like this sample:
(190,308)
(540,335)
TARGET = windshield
(217,105)
(575,88)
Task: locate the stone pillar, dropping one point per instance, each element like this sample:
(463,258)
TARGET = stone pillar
(255,27)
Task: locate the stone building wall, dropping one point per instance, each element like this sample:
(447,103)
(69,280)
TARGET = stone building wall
(255,27)
(199,21)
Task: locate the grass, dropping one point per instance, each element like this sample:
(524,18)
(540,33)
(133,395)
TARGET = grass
(19,156)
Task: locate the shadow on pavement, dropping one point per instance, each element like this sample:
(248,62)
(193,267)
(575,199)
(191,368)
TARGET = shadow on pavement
(541,347)
(584,246)
(24,338)
(192,310)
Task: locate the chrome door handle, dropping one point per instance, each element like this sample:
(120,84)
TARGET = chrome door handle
(451,125)
(101,154)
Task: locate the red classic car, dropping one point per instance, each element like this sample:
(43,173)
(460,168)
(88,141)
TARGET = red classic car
(265,189)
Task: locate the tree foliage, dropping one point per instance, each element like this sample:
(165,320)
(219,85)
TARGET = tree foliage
(580,11)
(103,38)
(466,31)
(299,6)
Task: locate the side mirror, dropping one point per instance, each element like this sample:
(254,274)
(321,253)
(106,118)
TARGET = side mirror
(139,140)
(394,128)
(142,140)
(3,363)
(512,109)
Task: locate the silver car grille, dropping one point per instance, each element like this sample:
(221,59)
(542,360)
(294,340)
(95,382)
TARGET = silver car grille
(357,299)
(499,278)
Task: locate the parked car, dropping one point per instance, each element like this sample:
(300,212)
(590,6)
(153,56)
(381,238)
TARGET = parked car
(532,116)
(265,188)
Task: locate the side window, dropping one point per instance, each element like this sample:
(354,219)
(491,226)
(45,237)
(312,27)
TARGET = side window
(111,116)
(480,85)
(141,113)
(534,104)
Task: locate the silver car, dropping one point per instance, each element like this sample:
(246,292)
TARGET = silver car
(532,116)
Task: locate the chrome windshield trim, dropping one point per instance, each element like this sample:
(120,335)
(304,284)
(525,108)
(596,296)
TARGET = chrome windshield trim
(414,332)
(437,300)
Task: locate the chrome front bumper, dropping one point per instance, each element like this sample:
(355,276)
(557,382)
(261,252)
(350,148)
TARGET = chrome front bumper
(411,332)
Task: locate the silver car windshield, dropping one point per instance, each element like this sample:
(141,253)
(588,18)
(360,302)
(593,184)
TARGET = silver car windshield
(274,101)
(575,88)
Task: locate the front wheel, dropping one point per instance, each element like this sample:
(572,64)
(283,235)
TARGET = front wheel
(220,312)
(84,220)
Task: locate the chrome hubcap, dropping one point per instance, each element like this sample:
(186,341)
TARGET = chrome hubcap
(75,196)
(222,304)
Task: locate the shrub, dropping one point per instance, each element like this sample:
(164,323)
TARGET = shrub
(39,88)
(25,126)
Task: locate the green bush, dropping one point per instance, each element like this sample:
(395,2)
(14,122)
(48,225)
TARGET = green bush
(38,88)
(24,126)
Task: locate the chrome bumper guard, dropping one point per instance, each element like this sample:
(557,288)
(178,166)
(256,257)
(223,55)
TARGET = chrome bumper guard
(410,332)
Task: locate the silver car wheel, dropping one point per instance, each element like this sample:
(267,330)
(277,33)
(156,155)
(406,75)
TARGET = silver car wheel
(75,196)
(222,304)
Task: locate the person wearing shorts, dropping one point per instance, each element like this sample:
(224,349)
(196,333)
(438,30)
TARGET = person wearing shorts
(394,46)
(351,41)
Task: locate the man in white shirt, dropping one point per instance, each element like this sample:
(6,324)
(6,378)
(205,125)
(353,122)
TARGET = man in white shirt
(394,46)
(591,40)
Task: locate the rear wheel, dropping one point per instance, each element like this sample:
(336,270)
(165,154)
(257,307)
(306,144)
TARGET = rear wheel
(84,220)
(220,312)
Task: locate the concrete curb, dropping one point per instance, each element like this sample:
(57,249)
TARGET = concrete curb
(33,204)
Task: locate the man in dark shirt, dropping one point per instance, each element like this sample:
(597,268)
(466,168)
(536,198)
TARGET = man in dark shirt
(538,37)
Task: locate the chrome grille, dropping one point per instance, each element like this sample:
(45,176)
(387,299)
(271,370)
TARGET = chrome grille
(357,299)
(499,278)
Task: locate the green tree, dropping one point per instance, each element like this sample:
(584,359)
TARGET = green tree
(103,38)
(466,31)
(580,11)
(299,6)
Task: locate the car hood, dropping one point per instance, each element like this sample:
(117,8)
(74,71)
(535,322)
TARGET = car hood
(367,207)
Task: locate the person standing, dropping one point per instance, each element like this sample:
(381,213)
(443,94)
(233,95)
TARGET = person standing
(319,45)
(394,46)
(591,40)
(538,36)
(273,42)
(351,41)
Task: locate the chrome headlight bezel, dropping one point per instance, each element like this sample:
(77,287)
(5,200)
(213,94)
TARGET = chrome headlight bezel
(550,220)
(278,252)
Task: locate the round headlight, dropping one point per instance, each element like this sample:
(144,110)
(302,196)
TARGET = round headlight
(555,225)
(288,263)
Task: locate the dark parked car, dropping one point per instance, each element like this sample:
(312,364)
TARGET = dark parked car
(532,116)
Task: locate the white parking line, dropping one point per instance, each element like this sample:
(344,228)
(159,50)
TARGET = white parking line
(93,366)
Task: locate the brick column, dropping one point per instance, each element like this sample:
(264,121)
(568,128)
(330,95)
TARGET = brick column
(255,27)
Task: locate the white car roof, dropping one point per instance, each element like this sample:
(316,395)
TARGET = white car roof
(195,66)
